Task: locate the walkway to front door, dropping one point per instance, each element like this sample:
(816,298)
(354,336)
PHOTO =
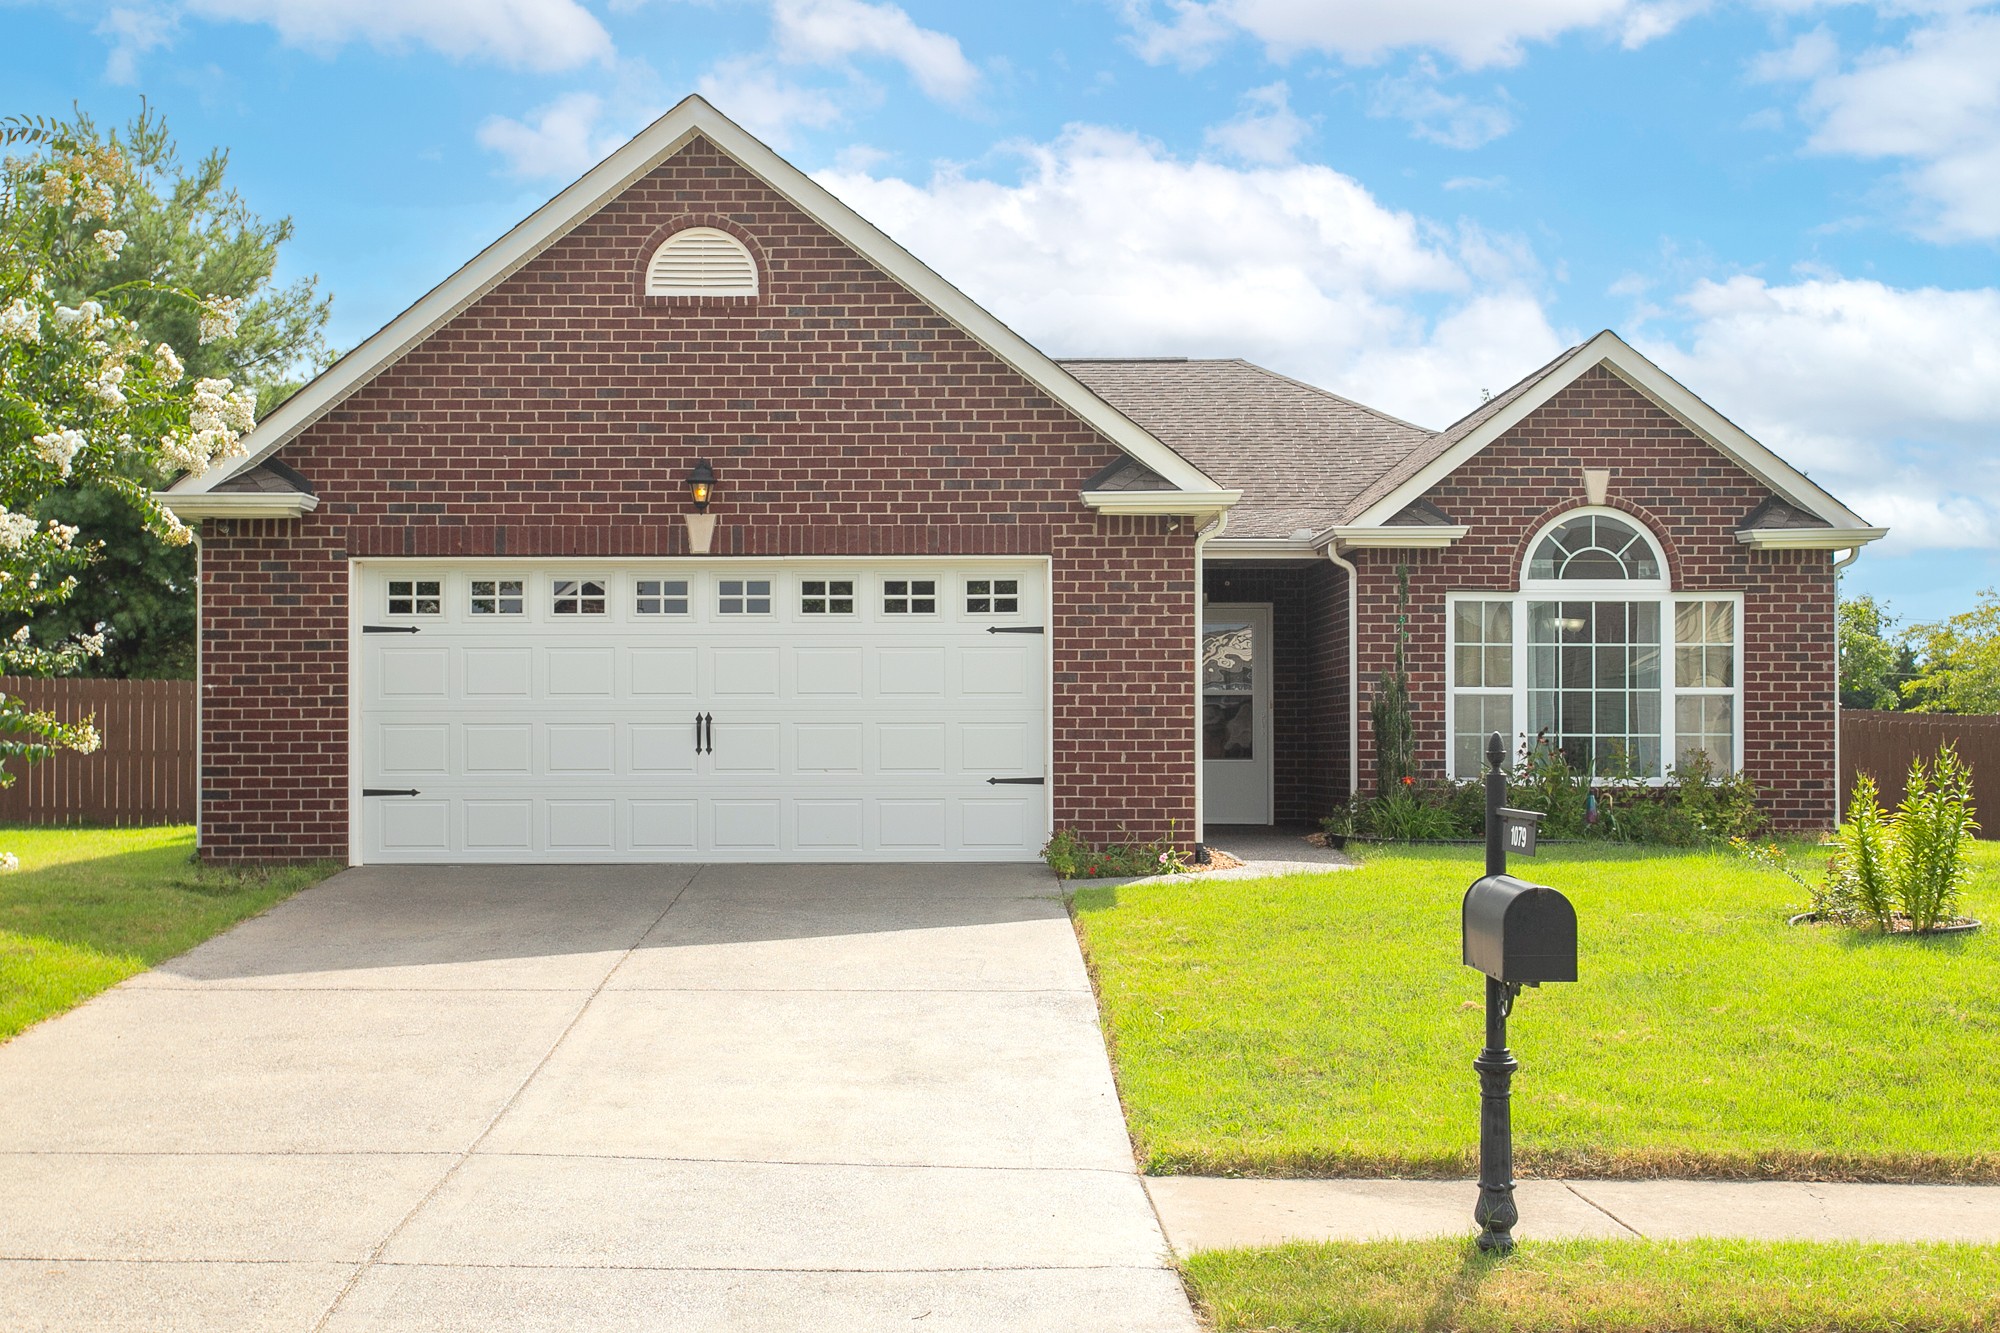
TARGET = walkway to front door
(593,1098)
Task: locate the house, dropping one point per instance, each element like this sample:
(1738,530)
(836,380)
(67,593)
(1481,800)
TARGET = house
(696,519)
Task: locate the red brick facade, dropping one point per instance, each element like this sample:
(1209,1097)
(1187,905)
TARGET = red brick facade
(1693,499)
(559,415)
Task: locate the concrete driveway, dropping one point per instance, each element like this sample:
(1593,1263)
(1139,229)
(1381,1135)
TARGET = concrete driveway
(581,1098)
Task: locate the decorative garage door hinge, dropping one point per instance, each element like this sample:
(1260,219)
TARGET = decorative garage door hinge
(390,791)
(1016,629)
(392,629)
(1015,782)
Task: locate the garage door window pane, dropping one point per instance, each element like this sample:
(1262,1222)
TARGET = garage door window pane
(992,596)
(743,597)
(497,597)
(663,597)
(826,597)
(416,597)
(579,597)
(909,597)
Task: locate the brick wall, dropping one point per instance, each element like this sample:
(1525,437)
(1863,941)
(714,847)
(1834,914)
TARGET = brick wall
(559,415)
(1693,499)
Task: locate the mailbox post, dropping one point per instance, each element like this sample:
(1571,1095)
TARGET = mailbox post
(1518,934)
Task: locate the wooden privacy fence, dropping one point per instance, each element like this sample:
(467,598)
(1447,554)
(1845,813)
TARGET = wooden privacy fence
(1883,744)
(144,773)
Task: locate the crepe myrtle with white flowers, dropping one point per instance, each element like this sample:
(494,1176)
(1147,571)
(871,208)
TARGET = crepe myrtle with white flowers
(83,397)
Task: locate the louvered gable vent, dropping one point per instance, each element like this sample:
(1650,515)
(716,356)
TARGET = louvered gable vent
(701,261)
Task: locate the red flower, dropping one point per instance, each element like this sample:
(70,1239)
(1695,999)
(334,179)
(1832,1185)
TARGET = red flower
(1409,781)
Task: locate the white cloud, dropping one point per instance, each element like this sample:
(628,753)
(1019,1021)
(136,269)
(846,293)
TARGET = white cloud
(762,100)
(1890,397)
(824,32)
(132,33)
(1933,102)
(1106,244)
(563,140)
(1266,131)
(1472,32)
(529,34)
(1443,118)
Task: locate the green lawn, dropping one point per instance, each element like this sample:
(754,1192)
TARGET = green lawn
(1322,1025)
(90,907)
(1604,1286)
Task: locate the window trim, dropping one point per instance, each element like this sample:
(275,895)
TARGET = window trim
(855,597)
(1589,590)
(497,597)
(965,594)
(689,596)
(771,596)
(1671,689)
(443,581)
(583,582)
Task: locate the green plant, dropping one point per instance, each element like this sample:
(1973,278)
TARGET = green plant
(1860,872)
(1066,854)
(1933,829)
(1072,857)
(1395,731)
(1543,781)
(1406,816)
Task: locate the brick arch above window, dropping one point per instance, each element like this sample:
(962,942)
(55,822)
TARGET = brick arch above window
(703,226)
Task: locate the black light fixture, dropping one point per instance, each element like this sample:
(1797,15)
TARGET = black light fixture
(701,485)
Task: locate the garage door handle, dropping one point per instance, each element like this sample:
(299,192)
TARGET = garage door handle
(392,629)
(1017,629)
(390,791)
(1015,782)
(701,721)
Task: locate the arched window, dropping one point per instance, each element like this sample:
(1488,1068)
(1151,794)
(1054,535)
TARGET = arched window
(1598,657)
(701,261)
(1594,547)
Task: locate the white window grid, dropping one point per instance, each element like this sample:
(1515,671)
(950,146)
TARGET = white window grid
(1720,714)
(998,597)
(909,597)
(826,597)
(577,597)
(743,597)
(416,597)
(498,597)
(660,597)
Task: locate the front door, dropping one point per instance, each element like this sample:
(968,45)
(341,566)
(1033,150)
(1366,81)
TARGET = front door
(1236,713)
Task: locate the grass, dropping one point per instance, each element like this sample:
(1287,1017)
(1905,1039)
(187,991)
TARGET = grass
(1322,1025)
(90,907)
(1605,1286)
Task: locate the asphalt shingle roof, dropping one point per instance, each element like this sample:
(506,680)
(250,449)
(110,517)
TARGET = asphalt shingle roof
(1300,455)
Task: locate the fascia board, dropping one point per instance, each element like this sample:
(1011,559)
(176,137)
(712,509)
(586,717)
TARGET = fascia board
(1262,548)
(1667,393)
(654,145)
(1401,536)
(237,504)
(1808,539)
(1159,502)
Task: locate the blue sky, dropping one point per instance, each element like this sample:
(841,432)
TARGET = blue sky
(1795,206)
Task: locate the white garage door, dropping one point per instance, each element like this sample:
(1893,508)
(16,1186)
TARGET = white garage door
(711,710)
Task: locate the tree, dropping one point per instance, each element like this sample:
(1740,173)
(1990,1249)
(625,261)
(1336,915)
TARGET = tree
(1959,661)
(184,229)
(85,398)
(1874,663)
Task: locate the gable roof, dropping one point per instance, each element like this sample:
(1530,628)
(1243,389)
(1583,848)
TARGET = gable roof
(1449,449)
(1299,454)
(693,118)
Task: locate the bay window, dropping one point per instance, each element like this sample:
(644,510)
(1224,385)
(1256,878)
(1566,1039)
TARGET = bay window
(1596,656)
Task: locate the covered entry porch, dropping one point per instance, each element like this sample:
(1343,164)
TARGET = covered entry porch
(1276,712)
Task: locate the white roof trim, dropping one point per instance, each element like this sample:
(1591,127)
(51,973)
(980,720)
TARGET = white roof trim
(1669,394)
(237,504)
(1263,548)
(1209,501)
(610,178)
(1397,536)
(1808,539)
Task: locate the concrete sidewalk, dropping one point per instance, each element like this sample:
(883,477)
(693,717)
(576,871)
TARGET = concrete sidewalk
(590,1098)
(1209,1213)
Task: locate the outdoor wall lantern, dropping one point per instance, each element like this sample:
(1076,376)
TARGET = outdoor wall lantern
(701,485)
(701,523)
(1518,934)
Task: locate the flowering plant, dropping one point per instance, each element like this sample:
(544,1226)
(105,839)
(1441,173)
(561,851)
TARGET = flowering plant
(83,397)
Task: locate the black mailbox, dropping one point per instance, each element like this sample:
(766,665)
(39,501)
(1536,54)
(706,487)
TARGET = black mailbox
(1518,932)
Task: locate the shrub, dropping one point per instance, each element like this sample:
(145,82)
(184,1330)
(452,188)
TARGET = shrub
(1406,816)
(1859,883)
